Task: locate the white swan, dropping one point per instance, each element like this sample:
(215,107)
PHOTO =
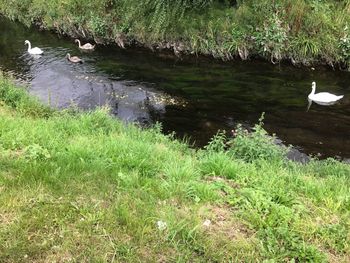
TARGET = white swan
(323,98)
(86,46)
(33,51)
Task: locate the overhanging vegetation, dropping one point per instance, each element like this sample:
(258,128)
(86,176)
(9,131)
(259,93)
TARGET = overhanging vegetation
(301,31)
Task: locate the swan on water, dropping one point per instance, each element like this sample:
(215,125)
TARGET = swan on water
(86,46)
(74,59)
(323,98)
(33,51)
(319,103)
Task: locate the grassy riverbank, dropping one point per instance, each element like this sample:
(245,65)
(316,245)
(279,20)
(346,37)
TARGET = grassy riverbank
(302,31)
(84,187)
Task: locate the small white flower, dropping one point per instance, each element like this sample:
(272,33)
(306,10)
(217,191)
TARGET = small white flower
(207,223)
(161,225)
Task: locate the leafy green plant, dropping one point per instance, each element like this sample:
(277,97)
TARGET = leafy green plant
(35,152)
(344,45)
(217,143)
(98,26)
(257,145)
(272,39)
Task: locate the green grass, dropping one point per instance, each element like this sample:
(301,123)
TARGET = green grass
(83,187)
(301,31)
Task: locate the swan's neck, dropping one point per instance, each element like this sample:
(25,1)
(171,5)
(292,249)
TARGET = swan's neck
(313,90)
(29,46)
(79,43)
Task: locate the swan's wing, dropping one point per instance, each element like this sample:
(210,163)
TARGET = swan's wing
(326,97)
(88,45)
(37,50)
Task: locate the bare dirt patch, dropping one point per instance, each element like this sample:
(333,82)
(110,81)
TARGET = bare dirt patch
(224,223)
(7,218)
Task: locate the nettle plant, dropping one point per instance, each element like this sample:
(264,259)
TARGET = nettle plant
(272,38)
(256,145)
(344,46)
(248,146)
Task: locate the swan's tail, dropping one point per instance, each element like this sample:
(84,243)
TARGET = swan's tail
(340,97)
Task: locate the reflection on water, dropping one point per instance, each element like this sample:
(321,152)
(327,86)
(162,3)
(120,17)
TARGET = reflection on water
(320,103)
(193,97)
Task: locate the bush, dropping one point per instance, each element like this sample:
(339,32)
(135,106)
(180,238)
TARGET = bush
(257,145)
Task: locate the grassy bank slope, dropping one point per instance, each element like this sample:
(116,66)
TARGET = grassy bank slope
(302,31)
(86,188)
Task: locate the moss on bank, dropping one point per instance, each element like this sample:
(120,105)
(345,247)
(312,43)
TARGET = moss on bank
(302,31)
(84,187)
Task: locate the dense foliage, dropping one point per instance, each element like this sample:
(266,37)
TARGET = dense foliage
(302,31)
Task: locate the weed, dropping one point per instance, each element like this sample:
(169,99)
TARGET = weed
(257,145)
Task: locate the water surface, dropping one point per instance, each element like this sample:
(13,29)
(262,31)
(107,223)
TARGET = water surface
(193,97)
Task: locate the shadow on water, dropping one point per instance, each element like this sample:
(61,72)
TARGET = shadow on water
(194,98)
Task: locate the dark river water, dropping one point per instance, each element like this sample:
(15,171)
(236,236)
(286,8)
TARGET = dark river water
(193,97)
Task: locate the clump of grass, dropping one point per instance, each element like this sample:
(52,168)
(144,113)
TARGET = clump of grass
(20,101)
(86,187)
